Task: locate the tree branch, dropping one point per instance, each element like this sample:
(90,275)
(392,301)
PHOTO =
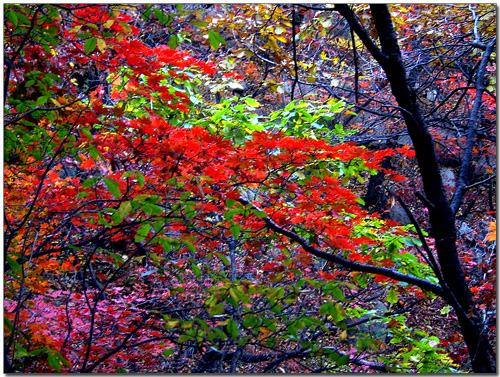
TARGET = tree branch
(481,182)
(296,66)
(421,283)
(362,33)
(465,167)
(18,118)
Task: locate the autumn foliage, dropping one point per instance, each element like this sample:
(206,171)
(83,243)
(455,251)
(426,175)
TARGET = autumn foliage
(149,229)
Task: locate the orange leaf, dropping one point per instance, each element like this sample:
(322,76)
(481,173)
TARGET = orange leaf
(492,235)
(392,323)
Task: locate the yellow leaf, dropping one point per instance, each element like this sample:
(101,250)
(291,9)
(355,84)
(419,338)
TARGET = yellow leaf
(55,102)
(108,23)
(101,45)
(76,29)
(343,335)
(281,38)
(279,30)
(171,324)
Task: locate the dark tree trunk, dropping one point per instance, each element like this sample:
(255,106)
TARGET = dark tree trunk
(442,218)
(375,196)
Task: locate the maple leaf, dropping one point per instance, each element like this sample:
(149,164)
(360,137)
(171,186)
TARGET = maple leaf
(327,276)
(406,151)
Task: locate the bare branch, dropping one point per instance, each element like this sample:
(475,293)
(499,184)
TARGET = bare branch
(465,167)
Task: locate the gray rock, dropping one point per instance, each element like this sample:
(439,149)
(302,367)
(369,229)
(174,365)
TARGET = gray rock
(466,232)
(449,178)
(398,214)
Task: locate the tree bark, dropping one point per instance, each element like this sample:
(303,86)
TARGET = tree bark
(441,216)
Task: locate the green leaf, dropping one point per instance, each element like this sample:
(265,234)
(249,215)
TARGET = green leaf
(116,218)
(87,133)
(12,18)
(412,241)
(61,359)
(239,136)
(150,208)
(251,322)
(235,230)
(83,35)
(125,26)
(325,308)
(15,266)
(216,310)
(392,296)
(142,198)
(118,259)
(38,351)
(335,310)
(199,23)
(22,19)
(92,26)
(54,362)
(165,244)
(343,360)
(173,41)
(94,152)
(232,293)
(189,245)
(20,352)
(231,300)
(185,195)
(146,14)
(337,293)
(128,174)
(142,232)
(232,328)
(140,179)
(125,209)
(190,212)
(446,310)
(224,259)
(241,295)
(230,214)
(168,352)
(112,186)
(196,270)
(164,18)
(7,322)
(215,39)
(90,45)
(42,100)
(260,214)
(230,203)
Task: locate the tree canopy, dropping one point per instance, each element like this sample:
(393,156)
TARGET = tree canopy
(249,188)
